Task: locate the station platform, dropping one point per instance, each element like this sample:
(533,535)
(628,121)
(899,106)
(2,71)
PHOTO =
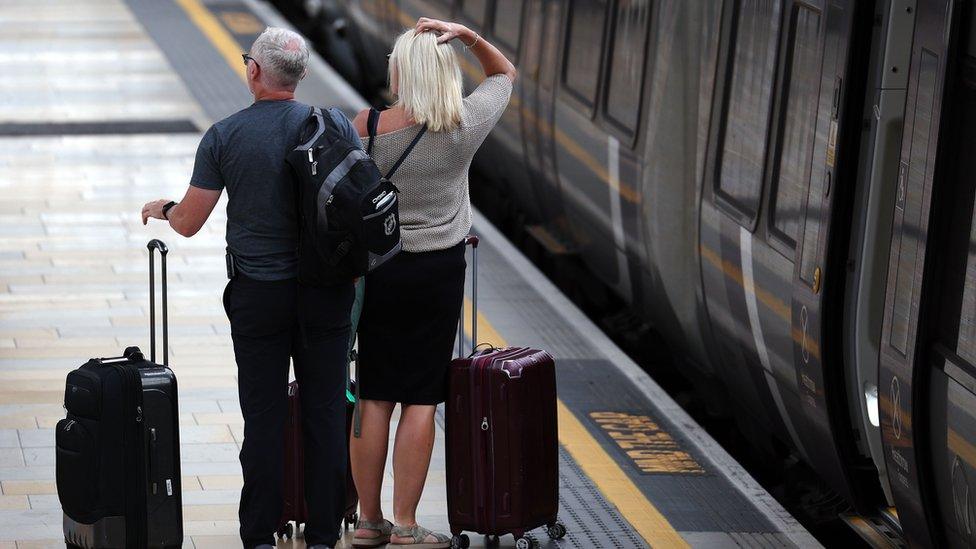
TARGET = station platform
(103,104)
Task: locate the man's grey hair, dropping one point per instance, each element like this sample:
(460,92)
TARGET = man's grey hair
(282,55)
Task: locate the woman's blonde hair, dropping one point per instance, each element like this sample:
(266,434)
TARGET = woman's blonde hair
(428,80)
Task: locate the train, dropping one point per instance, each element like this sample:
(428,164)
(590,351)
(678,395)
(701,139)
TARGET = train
(783,189)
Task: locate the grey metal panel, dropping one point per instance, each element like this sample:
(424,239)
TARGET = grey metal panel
(872,230)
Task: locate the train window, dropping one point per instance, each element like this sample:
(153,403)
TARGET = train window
(908,201)
(626,74)
(475,10)
(508,22)
(583,47)
(967,322)
(800,126)
(749,101)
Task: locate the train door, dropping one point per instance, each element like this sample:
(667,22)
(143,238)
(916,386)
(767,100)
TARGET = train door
(597,127)
(819,274)
(737,305)
(907,379)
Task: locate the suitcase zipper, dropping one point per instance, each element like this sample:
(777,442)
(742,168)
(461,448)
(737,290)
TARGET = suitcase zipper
(490,510)
(488,500)
(135,483)
(477,477)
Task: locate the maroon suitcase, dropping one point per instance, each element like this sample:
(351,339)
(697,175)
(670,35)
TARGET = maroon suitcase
(502,442)
(295,509)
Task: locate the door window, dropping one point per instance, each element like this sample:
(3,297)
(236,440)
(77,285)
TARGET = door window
(908,201)
(627,61)
(475,10)
(749,101)
(508,22)
(584,47)
(800,127)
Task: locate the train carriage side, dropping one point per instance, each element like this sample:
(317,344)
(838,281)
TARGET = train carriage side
(775,215)
(703,158)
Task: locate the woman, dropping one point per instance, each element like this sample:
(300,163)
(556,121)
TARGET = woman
(410,314)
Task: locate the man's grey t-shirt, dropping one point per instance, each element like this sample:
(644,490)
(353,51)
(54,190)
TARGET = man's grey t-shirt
(245,153)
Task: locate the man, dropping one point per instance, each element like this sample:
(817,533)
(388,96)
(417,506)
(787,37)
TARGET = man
(272,316)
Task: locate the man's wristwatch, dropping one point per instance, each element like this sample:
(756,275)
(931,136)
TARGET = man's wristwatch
(167,207)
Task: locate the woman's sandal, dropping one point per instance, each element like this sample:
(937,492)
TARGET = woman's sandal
(419,535)
(383,528)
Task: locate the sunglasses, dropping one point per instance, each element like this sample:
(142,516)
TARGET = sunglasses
(247,57)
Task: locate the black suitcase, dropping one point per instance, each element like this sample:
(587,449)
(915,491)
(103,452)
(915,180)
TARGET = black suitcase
(118,449)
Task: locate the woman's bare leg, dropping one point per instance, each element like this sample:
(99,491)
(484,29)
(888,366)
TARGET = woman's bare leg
(367,455)
(411,459)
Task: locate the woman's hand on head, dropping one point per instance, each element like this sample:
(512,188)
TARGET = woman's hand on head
(448,31)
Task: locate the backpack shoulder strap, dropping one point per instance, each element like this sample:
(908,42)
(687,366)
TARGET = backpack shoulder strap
(320,124)
(406,153)
(371,123)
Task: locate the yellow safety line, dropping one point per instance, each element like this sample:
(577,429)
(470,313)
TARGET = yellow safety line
(218,35)
(594,460)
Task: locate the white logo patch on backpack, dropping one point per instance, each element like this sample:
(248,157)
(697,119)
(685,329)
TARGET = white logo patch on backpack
(389,224)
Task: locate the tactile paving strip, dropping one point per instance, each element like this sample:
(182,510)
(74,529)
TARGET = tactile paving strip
(589,519)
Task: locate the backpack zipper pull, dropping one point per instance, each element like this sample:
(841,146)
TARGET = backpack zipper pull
(484,423)
(312,161)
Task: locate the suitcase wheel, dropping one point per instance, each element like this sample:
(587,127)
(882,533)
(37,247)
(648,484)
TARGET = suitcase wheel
(350,520)
(524,543)
(287,532)
(556,530)
(460,541)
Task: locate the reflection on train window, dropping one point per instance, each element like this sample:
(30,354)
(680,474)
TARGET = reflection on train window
(475,10)
(627,62)
(584,46)
(804,65)
(967,321)
(508,22)
(749,102)
(909,203)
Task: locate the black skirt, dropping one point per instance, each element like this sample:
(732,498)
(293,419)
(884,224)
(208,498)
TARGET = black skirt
(409,325)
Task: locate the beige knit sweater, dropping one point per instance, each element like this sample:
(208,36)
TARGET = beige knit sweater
(435,208)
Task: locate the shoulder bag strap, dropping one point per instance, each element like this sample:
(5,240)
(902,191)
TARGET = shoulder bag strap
(410,147)
(371,123)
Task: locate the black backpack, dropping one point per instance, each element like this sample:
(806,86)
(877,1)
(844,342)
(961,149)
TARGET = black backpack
(348,212)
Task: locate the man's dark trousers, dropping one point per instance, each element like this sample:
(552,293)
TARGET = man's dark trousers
(270,322)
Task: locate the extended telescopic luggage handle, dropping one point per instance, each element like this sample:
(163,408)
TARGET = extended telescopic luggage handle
(156,244)
(473,241)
